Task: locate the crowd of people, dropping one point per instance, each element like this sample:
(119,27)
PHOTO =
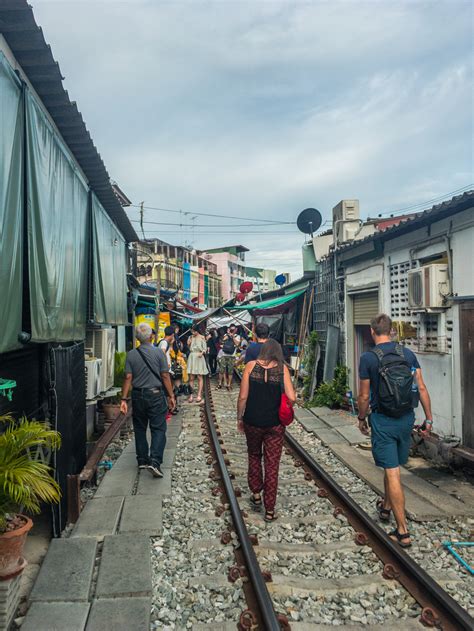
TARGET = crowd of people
(158,372)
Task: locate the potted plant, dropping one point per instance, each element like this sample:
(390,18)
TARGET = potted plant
(111,409)
(24,484)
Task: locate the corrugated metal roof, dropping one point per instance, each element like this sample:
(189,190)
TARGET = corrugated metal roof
(26,40)
(412,222)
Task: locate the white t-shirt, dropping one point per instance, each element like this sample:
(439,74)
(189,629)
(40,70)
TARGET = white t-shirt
(165,347)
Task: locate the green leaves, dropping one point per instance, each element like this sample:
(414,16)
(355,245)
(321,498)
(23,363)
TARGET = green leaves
(25,482)
(332,394)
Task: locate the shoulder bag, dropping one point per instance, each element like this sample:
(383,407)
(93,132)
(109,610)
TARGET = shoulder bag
(286,413)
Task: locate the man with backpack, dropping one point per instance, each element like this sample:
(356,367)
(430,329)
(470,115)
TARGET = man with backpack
(230,342)
(387,375)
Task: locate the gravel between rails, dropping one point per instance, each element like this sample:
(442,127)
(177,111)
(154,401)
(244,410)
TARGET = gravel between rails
(189,563)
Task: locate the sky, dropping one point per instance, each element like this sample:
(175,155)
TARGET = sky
(261,109)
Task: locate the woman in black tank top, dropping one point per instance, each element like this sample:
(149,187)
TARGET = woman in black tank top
(257,415)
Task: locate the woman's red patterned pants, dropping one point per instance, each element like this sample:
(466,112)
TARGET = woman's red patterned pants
(266,441)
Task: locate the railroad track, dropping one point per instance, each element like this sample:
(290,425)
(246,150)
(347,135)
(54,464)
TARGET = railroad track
(323,553)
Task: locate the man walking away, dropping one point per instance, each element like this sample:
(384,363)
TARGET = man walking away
(386,376)
(230,342)
(147,371)
(262,331)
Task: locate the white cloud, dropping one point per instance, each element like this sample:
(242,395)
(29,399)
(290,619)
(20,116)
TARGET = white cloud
(268,107)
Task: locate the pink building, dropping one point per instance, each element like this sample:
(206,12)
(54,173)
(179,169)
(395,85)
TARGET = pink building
(230,262)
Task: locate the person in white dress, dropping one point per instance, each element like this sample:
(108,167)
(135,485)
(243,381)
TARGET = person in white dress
(196,362)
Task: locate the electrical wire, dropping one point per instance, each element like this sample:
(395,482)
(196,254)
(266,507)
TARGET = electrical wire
(220,216)
(429,201)
(207,225)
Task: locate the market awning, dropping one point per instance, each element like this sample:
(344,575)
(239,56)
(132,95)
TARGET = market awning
(273,304)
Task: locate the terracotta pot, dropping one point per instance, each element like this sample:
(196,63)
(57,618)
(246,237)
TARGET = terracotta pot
(111,410)
(11,550)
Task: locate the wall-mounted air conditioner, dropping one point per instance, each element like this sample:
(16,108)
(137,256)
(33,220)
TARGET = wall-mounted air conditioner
(345,218)
(100,343)
(93,373)
(428,286)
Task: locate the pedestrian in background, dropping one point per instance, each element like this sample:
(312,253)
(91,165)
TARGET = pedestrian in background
(197,366)
(386,380)
(212,350)
(257,415)
(230,343)
(147,372)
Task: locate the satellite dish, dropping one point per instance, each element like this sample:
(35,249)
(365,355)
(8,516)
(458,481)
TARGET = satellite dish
(280,279)
(309,220)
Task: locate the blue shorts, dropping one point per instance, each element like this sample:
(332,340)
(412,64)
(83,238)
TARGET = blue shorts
(391,439)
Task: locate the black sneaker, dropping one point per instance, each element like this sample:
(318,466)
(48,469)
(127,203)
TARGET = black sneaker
(142,466)
(155,470)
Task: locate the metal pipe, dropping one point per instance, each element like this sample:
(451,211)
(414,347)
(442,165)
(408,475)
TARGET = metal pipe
(423,588)
(264,600)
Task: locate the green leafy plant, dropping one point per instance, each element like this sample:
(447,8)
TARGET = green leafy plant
(309,362)
(25,482)
(119,368)
(332,394)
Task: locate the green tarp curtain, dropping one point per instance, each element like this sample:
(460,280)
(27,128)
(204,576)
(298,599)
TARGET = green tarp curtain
(110,267)
(11,206)
(57,233)
(270,304)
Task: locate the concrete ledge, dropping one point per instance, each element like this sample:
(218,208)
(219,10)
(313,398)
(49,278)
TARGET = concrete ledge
(100,517)
(66,572)
(56,617)
(142,514)
(125,567)
(120,613)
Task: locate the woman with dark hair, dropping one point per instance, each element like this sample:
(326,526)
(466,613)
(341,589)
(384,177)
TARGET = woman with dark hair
(212,349)
(257,415)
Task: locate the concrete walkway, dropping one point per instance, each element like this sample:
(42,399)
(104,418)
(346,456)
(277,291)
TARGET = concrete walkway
(99,578)
(425,500)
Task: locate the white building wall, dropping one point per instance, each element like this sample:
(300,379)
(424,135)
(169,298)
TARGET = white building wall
(441,370)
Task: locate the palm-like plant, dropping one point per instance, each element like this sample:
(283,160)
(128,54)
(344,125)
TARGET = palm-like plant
(25,482)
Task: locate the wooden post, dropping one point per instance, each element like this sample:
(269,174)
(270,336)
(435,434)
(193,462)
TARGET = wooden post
(73,498)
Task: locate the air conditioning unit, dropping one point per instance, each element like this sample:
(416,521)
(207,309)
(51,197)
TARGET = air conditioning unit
(428,286)
(100,343)
(93,377)
(346,223)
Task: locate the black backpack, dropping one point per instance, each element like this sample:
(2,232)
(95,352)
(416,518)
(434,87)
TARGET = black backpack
(228,347)
(395,397)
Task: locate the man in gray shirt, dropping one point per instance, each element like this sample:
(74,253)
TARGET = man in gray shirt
(147,371)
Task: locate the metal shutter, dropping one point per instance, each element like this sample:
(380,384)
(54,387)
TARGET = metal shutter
(365,307)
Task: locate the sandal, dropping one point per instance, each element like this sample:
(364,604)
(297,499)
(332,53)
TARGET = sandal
(199,400)
(270,515)
(219,386)
(384,513)
(190,400)
(256,500)
(399,538)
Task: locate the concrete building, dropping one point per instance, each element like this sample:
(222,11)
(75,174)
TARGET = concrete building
(230,262)
(421,272)
(263,279)
(187,272)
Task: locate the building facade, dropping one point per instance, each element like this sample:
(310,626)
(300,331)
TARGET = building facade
(187,272)
(420,271)
(230,264)
(64,245)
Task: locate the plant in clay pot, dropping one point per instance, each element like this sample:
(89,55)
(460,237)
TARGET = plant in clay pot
(111,408)
(24,484)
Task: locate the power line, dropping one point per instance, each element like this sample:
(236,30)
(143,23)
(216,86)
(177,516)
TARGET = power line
(221,215)
(193,225)
(429,201)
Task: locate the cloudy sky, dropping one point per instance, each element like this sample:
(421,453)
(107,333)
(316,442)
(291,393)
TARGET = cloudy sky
(260,109)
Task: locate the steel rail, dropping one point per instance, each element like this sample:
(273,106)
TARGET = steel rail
(265,603)
(412,576)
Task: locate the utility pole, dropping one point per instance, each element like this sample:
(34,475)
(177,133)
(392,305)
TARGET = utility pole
(141,219)
(158,298)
